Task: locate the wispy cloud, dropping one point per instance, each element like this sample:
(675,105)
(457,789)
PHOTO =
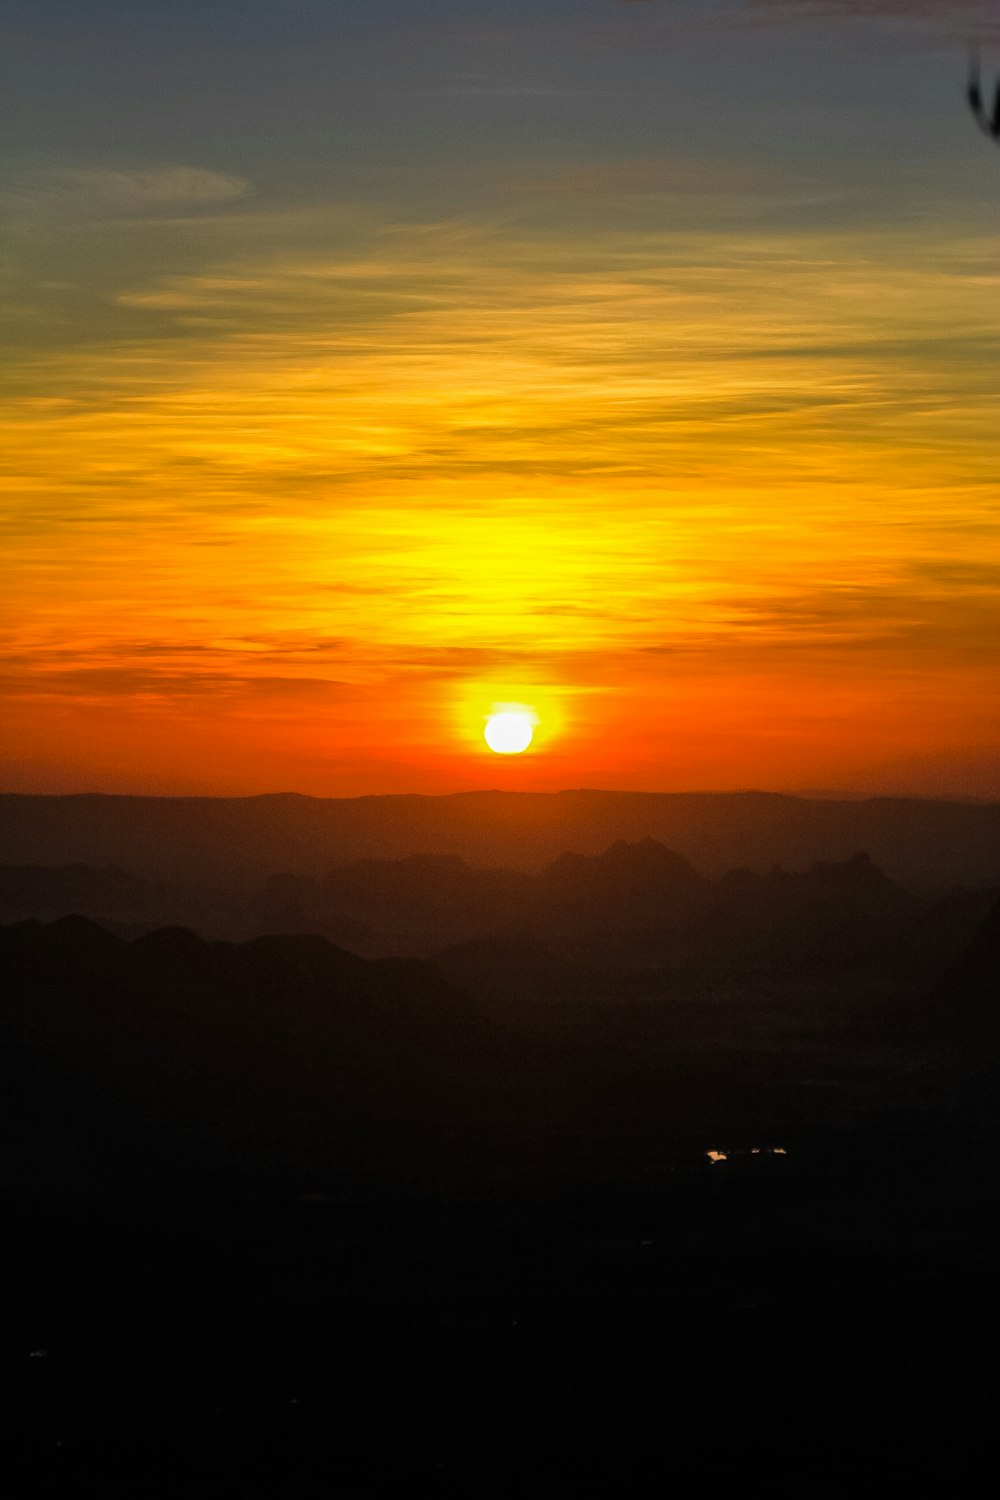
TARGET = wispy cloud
(955,18)
(958,17)
(654,175)
(332,471)
(101,192)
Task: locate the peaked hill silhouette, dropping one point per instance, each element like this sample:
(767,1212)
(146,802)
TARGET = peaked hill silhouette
(632,899)
(279,1055)
(630,884)
(923,842)
(632,903)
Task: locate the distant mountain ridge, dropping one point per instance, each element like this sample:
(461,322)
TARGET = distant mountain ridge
(931,844)
(628,908)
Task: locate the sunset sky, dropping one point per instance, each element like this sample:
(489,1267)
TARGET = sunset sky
(373,363)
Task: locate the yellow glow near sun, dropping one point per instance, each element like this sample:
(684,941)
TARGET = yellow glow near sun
(509,733)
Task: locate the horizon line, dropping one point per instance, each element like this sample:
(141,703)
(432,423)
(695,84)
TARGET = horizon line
(819,795)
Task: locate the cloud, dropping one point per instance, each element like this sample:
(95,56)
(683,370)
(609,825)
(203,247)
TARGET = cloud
(958,573)
(167,185)
(449,458)
(951,19)
(652,175)
(951,14)
(506,91)
(100,192)
(127,680)
(901,617)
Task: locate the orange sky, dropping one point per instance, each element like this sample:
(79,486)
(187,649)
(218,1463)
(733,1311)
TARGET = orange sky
(696,461)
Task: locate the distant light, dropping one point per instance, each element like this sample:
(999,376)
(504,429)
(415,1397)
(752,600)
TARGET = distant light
(717,1156)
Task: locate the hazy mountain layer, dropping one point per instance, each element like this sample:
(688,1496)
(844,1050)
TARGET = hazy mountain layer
(581,921)
(922,843)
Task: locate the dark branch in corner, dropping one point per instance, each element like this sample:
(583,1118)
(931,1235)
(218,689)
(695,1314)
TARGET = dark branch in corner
(988,122)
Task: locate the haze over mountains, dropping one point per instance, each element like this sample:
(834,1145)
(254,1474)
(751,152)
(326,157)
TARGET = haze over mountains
(931,844)
(286,1062)
(551,1128)
(634,909)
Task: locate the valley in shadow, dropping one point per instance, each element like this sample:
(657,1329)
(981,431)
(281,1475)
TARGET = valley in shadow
(612,1170)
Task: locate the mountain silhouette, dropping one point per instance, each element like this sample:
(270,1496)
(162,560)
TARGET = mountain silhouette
(968,999)
(834,912)
(279,1055)
(638,878)
(204,841)
(512,969)
(387,906)
(108,894)
(630,905)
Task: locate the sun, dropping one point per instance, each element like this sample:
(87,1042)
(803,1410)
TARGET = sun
(508,733)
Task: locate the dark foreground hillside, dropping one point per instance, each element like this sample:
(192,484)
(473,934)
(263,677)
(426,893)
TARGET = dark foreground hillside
(314,1224)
